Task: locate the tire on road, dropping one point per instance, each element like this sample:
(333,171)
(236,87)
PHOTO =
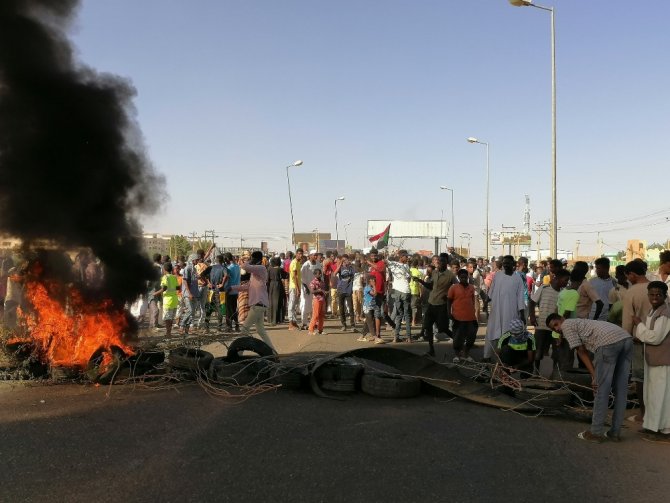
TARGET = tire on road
(250,344)
(146,359)
(103,373)
(190,359)
(390,386)
(246,372)
(543,394)
(339,370)
(287,378)
(342,386)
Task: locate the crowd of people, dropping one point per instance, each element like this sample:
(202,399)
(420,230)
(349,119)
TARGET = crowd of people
(615,327)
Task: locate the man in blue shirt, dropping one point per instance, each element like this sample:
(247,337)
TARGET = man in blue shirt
(233,279)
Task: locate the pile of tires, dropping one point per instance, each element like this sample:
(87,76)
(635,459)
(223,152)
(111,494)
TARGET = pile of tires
(390,386)
(339,374)
(192,360)
(543,394)
(142,364)
(243,372)
(287,377)
(102,367)
(252,345)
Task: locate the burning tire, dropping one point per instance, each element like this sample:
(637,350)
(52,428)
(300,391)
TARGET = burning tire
(390,386)
(146,359)
(249,344)
(190,359)
(245,372)
(104,365)
(543,394)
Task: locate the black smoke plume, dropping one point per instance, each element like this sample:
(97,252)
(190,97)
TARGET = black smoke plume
(72,162)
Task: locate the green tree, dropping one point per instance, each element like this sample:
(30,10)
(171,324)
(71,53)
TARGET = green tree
(179,245)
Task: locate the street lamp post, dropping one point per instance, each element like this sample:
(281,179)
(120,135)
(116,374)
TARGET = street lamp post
(316,232)
(554,213)
(337,234)
(444,187)
(472,139)
(345,234)
(290,201)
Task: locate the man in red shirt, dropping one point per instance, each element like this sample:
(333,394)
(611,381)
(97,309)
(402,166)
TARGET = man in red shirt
(378,271)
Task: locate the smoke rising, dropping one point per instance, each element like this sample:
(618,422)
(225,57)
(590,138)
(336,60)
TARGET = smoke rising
(72,162)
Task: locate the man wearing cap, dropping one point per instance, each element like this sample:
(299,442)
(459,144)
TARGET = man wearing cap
(516,346)
(306,277)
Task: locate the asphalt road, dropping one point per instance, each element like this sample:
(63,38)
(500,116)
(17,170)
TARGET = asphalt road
(76,443)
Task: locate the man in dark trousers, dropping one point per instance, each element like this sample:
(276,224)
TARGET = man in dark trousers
(437,312)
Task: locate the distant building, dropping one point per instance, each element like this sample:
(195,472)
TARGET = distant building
(156,243)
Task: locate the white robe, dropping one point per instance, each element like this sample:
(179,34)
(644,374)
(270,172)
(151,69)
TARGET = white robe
(656,378)
(506,294)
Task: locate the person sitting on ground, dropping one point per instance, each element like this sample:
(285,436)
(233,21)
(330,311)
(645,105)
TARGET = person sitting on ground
(516,347)
(612,348)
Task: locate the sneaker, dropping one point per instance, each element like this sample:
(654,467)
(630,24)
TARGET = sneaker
(613,436)
(303,327)
(590,437)
(344,328)
(370,338)
(456,359)
(310,333)
(362,338)
(323,333)
(379,340)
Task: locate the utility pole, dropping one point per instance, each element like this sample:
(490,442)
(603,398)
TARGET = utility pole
(541,229)
(193,236)
(577,249)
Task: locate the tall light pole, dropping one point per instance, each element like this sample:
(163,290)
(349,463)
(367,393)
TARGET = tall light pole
(345,234)
(444,187)
(337,234)
(316,232)
(472,139)
(290,201)
(554,213)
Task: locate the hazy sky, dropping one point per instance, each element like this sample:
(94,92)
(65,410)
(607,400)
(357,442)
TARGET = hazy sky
(377,98)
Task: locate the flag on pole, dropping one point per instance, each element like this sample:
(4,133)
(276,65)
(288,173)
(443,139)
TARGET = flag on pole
(382,238)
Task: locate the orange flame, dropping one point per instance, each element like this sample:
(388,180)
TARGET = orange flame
(69,336)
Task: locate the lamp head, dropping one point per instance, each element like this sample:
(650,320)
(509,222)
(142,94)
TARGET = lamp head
(341,198)
(297,163)
(472,139)
(444,187)
(521,3)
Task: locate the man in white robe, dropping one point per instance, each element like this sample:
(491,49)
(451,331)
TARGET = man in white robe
(654,333)
(506,304)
